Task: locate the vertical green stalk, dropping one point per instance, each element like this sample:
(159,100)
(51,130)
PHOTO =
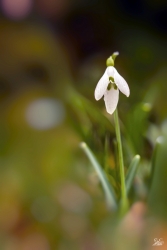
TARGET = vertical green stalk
(124,201)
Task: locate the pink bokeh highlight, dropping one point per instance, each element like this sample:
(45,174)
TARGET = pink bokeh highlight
(16,9)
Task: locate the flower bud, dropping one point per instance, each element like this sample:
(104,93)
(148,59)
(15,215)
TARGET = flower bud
(110,62)
(111,59)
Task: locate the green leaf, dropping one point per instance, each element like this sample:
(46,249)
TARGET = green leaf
(85,107)
(157,201)
(131,172)
(108,189)
(136,125)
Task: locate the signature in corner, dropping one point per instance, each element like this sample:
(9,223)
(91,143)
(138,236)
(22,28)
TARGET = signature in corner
(158,242)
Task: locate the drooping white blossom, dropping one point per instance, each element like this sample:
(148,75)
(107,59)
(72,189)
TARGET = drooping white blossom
(108,86)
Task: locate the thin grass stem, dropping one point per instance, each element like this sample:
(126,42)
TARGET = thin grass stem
(108,189)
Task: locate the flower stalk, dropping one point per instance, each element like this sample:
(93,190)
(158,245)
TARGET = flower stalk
(124,200)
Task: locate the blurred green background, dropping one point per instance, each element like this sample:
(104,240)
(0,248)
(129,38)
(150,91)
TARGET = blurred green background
(52,53)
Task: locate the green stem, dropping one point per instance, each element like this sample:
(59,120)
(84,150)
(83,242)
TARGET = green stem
(124,201)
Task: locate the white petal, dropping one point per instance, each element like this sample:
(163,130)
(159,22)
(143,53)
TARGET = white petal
(110,71)
(111,99)
(121,83)
(101,86)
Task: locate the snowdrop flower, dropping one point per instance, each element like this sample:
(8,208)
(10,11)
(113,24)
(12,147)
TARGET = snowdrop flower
(110,84)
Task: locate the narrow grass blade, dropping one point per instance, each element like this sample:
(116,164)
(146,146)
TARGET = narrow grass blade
(109,191)
(131,172)
(157,147)
(157,193)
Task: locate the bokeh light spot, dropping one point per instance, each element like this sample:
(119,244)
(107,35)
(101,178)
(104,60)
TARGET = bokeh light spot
(147,107)
(45,113)
(16,9)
